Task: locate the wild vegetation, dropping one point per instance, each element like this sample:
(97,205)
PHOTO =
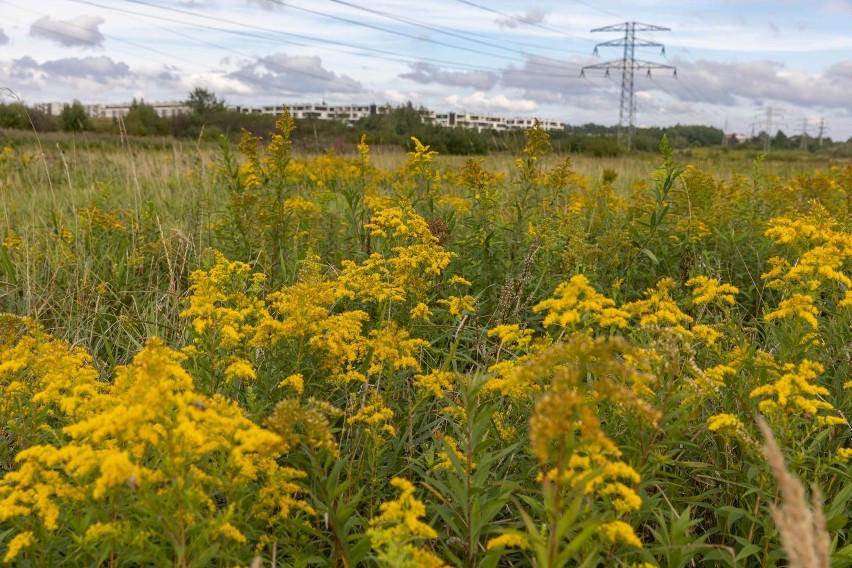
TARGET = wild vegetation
(258,357)
(210,118)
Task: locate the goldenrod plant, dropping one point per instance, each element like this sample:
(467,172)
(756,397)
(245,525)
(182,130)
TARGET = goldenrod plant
(256,357)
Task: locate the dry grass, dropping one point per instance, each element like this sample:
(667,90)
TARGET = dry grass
(802,527)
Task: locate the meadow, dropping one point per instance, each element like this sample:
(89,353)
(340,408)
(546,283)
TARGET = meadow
(239,354)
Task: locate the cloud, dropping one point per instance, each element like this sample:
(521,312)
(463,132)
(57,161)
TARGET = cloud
(479,101)
(4,39)
(837,7)
(266,4)
(395,97)
(426,73)
(728,83)
(552,81)
(101,70)
(532,16)
(279,73)
(81,31)
(215,83)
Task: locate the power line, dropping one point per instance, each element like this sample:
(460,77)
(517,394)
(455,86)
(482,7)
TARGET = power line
(394,32)
(772,115)
(511,17)
(628,65)
(374,53)
(382,54)
(465,36)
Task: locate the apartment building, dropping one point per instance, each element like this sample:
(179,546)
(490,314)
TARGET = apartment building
(115,110)
(349,114)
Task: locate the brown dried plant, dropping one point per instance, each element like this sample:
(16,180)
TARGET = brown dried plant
(802,527)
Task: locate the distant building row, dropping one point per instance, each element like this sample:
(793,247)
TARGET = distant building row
(349,114)
(100,110)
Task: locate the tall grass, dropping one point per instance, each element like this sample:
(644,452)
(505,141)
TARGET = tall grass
(415,360)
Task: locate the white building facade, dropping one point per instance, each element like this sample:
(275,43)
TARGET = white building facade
(349,114)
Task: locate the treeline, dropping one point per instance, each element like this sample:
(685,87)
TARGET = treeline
(210,118)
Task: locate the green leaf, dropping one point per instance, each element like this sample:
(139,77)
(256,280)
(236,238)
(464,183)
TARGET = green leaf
(650,255)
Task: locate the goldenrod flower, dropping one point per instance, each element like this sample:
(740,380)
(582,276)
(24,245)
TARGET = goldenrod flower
(376,418)
(421,312)
(796,306)
(720,422)
(446,462)
(619,532)
(575,300)
(18,543)
(295,381)
(711,289)
(395,532)
(794,390)
(435,383)
(508,540)
(458,306)
(658,309)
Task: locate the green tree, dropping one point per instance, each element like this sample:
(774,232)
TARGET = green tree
(74,118)
(14,116)
(143,120)
(202,101)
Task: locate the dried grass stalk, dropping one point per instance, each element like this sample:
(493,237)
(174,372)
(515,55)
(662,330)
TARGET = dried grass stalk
(802,527)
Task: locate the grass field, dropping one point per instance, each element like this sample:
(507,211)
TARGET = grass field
(239,355)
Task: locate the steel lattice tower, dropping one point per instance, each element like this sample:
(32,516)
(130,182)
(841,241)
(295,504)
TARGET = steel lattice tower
(628,65)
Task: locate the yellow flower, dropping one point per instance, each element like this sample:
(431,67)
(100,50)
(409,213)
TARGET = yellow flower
(619,532)
(390,347)
(240,370)
(658,309)
(296,381)
(395,532)
(572,301)
(796,306)
(720,422)
(507,541)
(458,306)
(435,383)
(421,312)
(376,417)
(711,289)
(231,532)
(794,390)
(446,462)
(149,434)
(116,469)
(98,531)
(705,333)
(17,544)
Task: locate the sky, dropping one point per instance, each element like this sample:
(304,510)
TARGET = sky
(741,65)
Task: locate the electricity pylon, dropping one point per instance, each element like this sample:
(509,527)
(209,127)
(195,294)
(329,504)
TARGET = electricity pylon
(628,65)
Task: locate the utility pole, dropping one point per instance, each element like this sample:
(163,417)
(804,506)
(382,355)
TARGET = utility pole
(628,65)
(770,113)
(804,135)
(822,129)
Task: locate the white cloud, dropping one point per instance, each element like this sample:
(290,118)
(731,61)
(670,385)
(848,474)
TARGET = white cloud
(79,31)
(532,16)
(279,73)
(215,83)
(426,73)
(395,97)
(4,39)
(479,101)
